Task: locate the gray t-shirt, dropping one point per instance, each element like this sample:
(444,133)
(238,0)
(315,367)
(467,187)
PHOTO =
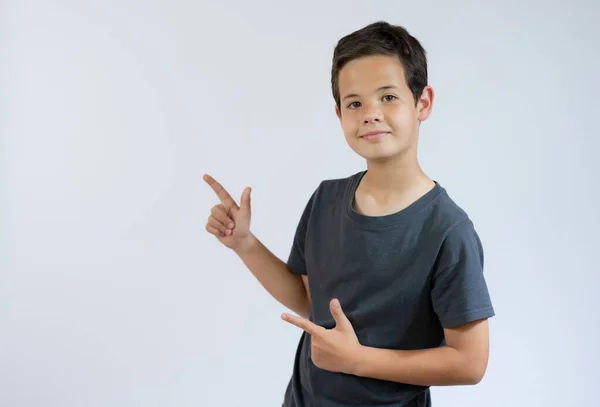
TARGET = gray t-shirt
(400,279)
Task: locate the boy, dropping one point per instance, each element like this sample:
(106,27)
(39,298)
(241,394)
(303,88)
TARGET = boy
(385,270)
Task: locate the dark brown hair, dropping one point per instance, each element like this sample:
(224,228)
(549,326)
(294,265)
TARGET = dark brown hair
(382,38)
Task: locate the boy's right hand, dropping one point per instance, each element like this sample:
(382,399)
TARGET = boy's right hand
(229,222)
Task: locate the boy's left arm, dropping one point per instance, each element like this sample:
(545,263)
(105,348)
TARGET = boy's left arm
(462,303)
(462,361)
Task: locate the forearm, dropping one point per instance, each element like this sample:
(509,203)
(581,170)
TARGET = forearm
(443,366)
(274,275)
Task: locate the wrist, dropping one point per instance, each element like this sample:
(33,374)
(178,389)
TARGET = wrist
(246,245)
(357,361)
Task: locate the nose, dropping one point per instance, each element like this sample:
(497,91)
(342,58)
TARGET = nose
(372,114)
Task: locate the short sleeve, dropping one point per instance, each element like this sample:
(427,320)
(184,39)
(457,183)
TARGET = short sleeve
(459,291)
(296,260)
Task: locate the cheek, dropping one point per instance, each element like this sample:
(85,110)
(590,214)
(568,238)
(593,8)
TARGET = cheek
(349,126)
(399,117)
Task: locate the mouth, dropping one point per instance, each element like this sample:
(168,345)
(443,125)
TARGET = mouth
(374,135)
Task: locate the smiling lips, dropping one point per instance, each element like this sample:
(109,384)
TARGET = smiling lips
(374,135)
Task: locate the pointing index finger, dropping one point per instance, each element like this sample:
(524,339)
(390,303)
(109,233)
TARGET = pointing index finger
(223,195)
(303,323)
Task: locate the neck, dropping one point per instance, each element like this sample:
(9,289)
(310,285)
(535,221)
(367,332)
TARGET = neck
(396,176)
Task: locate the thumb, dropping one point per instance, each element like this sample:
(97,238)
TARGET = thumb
(341,320)
(245,201)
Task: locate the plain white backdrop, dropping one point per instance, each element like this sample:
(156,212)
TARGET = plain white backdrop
(113,294)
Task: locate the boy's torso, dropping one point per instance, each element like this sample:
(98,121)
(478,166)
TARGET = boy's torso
(380,270)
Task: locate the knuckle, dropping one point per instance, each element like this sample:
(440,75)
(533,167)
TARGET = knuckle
(218,211)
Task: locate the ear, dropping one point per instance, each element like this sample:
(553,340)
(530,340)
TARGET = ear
(338,113)
(425,103)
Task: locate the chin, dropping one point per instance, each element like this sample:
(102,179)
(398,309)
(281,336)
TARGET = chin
(377,155)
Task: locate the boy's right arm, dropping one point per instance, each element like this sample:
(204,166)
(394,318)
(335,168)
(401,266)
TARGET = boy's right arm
(230,223)
(274,275)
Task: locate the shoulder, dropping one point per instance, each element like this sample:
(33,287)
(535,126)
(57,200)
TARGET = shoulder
(327,195)
(331,190)
(447,216)
(456,230)
(333,185)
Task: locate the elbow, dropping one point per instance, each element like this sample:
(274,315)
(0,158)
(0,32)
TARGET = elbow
(470,370)
(304,307)
(474,379)
(307,308)
(474,373)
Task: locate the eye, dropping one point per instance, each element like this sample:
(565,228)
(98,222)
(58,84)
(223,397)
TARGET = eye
(389,98)
(354,105)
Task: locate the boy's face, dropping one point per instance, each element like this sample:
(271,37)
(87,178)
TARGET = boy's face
(374,97)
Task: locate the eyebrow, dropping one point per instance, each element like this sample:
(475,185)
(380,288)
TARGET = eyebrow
(354,95)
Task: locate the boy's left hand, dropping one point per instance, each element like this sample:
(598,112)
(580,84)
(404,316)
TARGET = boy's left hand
(334,349)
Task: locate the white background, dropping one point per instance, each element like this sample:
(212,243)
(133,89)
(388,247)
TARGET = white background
(113,294)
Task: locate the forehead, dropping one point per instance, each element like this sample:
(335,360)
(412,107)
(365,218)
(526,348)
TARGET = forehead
(371,72)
